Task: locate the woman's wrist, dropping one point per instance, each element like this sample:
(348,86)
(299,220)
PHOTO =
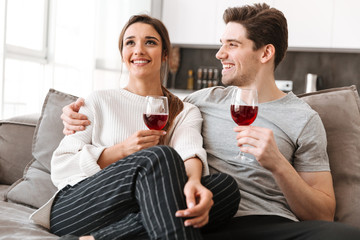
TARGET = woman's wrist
(193,168)
(194,179)
(110,155)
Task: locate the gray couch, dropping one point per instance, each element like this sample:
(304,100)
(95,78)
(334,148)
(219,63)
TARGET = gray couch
(27,142)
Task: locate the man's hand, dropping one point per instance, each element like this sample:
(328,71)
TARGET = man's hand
(72,120)
(310,195)
(261,143)
(199,202)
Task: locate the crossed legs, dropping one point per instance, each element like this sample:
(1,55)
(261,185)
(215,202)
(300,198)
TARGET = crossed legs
(136,198)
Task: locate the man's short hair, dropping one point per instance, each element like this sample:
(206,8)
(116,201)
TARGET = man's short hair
(264,25)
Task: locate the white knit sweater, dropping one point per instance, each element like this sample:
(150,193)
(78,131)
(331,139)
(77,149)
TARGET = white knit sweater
(114,116)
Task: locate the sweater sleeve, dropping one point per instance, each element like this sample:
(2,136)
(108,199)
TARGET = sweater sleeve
(76,157)
(186,137)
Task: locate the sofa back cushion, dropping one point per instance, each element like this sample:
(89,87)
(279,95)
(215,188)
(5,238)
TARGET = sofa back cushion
(339,109)
(36,188)
(15,135)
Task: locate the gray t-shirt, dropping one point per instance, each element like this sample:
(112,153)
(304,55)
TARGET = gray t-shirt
(299,134)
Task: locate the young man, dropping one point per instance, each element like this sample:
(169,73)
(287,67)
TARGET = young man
(287,190)
(289,181)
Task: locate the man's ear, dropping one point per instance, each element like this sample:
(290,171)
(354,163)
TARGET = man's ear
(268,53)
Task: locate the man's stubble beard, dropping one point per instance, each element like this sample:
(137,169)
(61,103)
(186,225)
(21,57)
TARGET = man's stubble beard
(241,78)
(239,81)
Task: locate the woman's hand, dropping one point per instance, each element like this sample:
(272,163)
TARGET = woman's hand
(139,140)
(199,202)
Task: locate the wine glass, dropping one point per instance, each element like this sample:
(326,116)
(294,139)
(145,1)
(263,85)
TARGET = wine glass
(156,113)
(244,109)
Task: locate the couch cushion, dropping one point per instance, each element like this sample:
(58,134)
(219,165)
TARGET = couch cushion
(14,224)
(3,190)
(35,188)
(15,137)
(339,110)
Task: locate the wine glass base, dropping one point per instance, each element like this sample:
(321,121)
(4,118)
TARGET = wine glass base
(242,158)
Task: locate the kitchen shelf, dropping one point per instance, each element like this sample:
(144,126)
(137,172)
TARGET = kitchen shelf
(290,49)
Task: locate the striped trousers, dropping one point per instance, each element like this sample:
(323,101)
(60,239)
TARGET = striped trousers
(137,197)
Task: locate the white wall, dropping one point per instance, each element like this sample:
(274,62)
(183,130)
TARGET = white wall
(111,17)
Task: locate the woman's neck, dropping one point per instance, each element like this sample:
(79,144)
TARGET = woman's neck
(145,85)
(144,89)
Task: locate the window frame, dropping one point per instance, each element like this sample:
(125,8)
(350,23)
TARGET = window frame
(10,51)
(27,54)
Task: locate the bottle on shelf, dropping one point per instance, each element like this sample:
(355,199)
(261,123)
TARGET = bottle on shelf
(216,77)
(199,79)
(204,78)
(210,78)
(207,77)
(190,80)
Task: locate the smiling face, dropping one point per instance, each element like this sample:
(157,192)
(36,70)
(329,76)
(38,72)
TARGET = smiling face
(240,61)
(142,51)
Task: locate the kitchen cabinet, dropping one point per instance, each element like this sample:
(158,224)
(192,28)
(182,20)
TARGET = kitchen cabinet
(329,25)
(346,32)
(309,22)
(322,25)
(198,22)
(189,21)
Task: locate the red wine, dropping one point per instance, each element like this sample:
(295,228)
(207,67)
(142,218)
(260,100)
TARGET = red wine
(155,121)
(243,115)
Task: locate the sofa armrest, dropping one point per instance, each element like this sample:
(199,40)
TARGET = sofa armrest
(16,136)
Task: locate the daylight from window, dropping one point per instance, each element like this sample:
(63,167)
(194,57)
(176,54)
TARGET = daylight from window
(58,44)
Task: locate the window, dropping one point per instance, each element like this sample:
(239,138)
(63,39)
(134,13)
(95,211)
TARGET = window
(63,44)
(26,27)
(18,84)
(24,56)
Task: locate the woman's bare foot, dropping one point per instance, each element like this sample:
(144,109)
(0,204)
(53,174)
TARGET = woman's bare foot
(87,238)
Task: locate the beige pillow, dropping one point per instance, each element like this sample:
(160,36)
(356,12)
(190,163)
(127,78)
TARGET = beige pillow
(339,109)
(36,188)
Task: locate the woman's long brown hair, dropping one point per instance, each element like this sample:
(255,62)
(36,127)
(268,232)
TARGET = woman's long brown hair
(175,104)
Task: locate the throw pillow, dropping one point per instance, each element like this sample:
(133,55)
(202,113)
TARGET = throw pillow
(339,110)
(15,133)
(36,188)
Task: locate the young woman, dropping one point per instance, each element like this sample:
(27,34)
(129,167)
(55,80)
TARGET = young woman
(118,180)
